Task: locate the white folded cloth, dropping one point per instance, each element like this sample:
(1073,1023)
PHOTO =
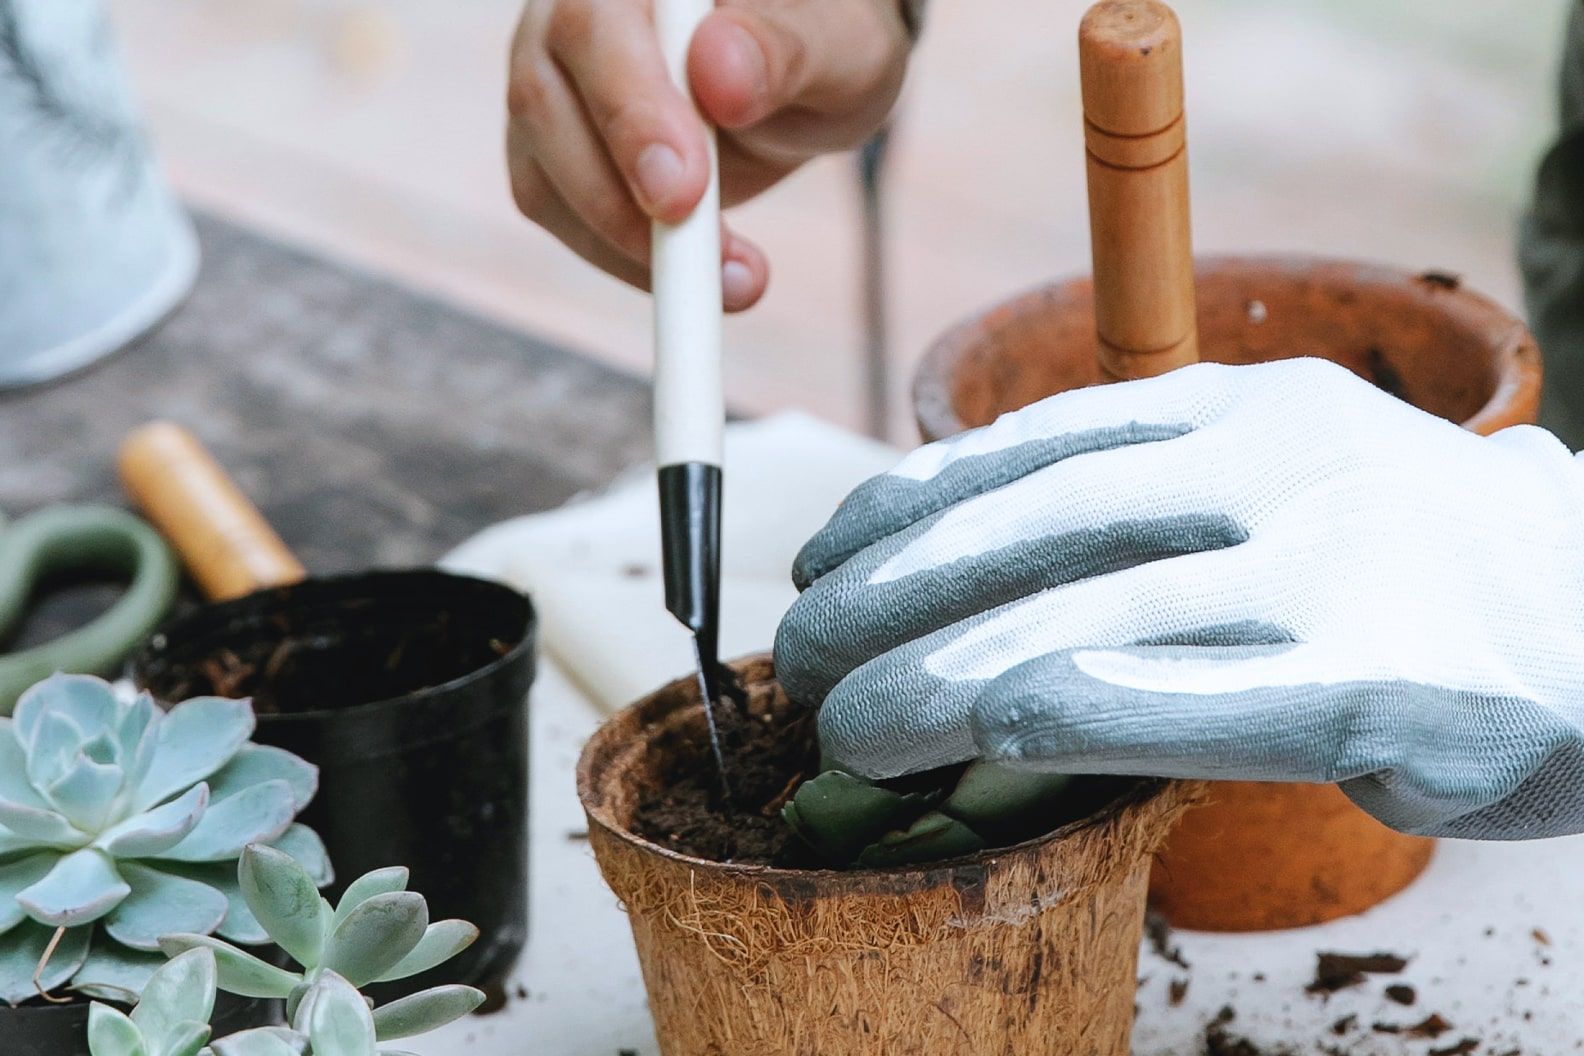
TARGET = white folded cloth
(592,567)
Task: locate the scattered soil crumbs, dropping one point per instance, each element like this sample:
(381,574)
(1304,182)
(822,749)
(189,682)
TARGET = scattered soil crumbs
(1401,993)
(1462,1048)
(769,747)
(1159,934)
(1337,971)
(1539,935)
(1432,1026)
(1345,1024)
(1176,990)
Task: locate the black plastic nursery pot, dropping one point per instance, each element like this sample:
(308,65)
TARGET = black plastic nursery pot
(409,691)
(41,1029)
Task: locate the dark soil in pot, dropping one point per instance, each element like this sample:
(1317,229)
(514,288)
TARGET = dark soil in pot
(409,691)
(770,747)
(41,1029)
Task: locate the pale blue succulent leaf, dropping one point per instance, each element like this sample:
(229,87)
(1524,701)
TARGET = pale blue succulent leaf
(14,784)
(16,877)
(40,826)
(263,1041)
(195,738)
(21,950)
(156,831)
(339,1022)
(376,935)
(163,903)
(187,1039)
(181,992)
(304,844)
(441,941)
(239,973)
(52,749)
(112,1033)
(81,887)
(86,792)
(114,973)
(88,702)
(134,722)
(258,763)
(365,887)
(285,900)
(259,814)
(424,1011)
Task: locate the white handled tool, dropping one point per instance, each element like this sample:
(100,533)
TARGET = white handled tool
(689,401)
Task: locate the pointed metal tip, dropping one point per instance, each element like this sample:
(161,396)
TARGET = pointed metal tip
(708,669)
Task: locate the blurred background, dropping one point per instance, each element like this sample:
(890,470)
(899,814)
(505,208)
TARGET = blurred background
(371,130)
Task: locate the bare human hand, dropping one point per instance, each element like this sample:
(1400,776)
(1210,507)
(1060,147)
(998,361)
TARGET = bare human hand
(599,141)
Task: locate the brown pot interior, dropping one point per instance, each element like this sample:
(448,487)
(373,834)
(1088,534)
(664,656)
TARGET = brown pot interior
(1423,338)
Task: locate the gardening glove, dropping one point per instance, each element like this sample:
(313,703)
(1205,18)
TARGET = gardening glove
(1274,573)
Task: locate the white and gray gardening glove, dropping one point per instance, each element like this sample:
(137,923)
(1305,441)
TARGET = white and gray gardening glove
(1273,573)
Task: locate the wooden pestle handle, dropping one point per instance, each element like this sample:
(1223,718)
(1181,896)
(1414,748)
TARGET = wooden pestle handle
(222,538)
(1130,64)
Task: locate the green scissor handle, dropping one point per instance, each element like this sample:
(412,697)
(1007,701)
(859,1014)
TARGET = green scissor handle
(81,539)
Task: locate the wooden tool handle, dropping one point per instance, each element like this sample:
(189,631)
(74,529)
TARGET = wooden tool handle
(225,542)
(686,276)
(1130,62)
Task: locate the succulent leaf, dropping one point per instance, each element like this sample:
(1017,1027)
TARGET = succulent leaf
(153,833)
(16,877)
(376,935)
(304,844)
(51,748)
(195,738)
(15,788)
(839,815)
(82,887)
(258,763)
(365,887)
(285,901)
(338,1019)
(932,838)
(186,1040)
(239,973)
(40,826)
(425,1011)
(263,1041)
(994,799)
(89,702)
(180,993)
(163,903)
(255,815)
(111,1033)
(114,973)
(21,950)
(441,941)
(86,792)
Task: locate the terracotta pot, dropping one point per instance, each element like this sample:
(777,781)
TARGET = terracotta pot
(1029,948)
(1305,854)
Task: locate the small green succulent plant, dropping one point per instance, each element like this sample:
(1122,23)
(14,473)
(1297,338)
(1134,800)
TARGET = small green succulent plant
(121,823)
(851,822)
(334,1020)
(379,932)
(170,1019)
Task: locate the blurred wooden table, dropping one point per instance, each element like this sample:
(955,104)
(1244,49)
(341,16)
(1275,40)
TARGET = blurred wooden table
(374,427)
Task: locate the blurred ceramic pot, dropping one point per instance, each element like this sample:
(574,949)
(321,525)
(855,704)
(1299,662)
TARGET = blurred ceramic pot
(94,249)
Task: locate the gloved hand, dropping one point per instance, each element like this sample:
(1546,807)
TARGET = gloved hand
(1268,573)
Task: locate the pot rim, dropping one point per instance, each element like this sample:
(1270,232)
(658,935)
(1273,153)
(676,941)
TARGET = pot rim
(1516,356)
(339,582)
(1138,792)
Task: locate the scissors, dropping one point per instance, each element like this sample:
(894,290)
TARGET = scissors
(72,542)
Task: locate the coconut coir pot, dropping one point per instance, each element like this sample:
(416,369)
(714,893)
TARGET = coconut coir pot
(1030,948)
(1303,853)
